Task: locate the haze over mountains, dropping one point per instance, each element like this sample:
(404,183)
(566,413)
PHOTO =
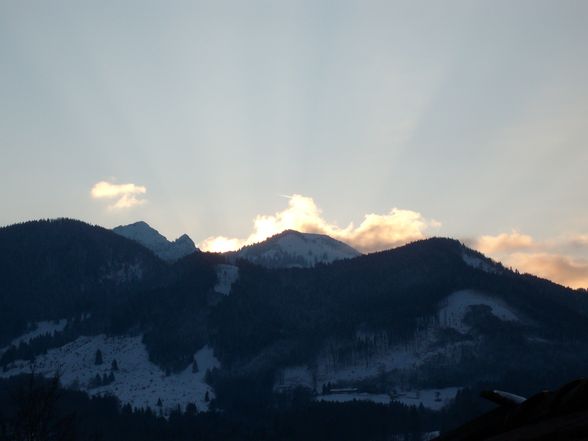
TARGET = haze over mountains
(414,325)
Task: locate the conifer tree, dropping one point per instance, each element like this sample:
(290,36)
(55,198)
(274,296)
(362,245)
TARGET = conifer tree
(98,359)
(191,409)
(96,382)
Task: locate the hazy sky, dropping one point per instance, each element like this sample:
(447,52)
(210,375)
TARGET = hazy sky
(470,118)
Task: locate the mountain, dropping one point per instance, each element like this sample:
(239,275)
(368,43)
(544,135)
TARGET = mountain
(291,248)
(431,316)
(420,324)
(53,269)
(151,238)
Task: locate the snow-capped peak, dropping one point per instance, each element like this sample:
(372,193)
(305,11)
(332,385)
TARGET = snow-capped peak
(150,238)
(294,249)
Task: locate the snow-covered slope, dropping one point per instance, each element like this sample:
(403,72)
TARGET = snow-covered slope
(294,249)
(40,328)
(383,359)
(363,364)
(373,355)
(137,381)
(150,238)
(35,330)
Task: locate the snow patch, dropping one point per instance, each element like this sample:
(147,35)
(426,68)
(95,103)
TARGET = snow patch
(127,272)
(138,381)
(456,306)
(479,263)
(226,275)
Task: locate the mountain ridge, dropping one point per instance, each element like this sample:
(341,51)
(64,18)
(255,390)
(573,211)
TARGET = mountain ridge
(291,248)
(60,267)
(149,237)
(429,314)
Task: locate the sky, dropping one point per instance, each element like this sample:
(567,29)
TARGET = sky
(378,123)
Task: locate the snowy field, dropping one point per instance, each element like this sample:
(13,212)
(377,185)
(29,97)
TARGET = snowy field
(137,381)
(434,399)
(355,396)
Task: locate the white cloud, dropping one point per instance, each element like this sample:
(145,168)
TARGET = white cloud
(376,232)
(122,195)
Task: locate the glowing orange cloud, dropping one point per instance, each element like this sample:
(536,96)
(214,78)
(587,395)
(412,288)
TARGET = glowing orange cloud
(503,242)
(562,269)
(376,231)
(126,195)
(579,241)
(549,259)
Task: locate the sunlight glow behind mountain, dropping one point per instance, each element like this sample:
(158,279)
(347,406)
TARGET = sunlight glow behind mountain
(376,231)
(193,115)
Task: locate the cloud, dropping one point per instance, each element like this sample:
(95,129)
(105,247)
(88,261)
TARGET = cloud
(550,259)
(122,195)
(579,241)
(504,242)
(562,269)
(376,231)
